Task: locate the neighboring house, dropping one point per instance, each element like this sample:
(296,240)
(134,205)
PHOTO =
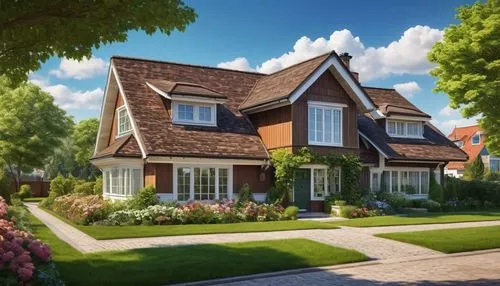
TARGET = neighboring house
(471,140)
(201,133)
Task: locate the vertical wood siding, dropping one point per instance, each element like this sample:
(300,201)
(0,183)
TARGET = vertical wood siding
(326,89)
(114,125)
(274,127)
(160,176)
(243,174)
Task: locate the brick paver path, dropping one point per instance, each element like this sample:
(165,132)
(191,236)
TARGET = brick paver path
(360,239)
(471,269)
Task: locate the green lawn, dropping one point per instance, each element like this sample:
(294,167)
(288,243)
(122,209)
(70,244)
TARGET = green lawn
(451,240)
(426,218)
(114,232)
(33,200)
(156,266)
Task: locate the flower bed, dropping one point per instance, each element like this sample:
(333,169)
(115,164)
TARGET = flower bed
(21,255)
(80,208)
(226,211)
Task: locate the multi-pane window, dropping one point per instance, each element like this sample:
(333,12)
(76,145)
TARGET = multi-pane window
(124,125)
(409,182)
(194,113)
(494,164)
(476,139)
(202,183)
(122,181)
(325,125)
(334,181)
(186,112)
(183,183)
(319,183)
(404,128)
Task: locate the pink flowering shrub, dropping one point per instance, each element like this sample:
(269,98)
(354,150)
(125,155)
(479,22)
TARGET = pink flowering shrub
(80,208)
(19,250)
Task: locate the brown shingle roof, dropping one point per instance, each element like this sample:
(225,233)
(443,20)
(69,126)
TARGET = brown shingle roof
(125,146)
(389,102)
(433,147)
(184,88)
(234,137)
(282,83)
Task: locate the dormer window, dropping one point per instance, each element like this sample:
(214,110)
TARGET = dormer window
(407,129)
(460,144)
(124,125)
(195,113)
(476,139)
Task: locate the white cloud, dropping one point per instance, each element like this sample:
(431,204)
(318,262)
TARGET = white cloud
(448,111)
(240,64)
(87,68)
(407,89)
(408,55)
(448,125)
(67,98)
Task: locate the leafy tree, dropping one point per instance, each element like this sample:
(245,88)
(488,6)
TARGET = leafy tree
(475,171)
(84,138)
(62,161)
(33,31)
(468,68)
(31,126)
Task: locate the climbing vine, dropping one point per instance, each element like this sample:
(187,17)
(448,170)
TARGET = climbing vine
(286,163)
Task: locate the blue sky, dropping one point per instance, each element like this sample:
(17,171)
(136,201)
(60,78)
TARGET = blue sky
(388,40)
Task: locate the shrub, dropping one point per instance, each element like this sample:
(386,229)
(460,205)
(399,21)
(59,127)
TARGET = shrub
(435,190)
(492,176)
(364,212)
(340,203)
(291,212)
(245,194)
(469,204)
(62,186)
(276,195)
(81,209)
(450,189)
(98,186)
(488,205)
(25,192)
(397,201)
(346,211)
(475,170)
(86,188)
(19,216)
(431,205)
(145,197)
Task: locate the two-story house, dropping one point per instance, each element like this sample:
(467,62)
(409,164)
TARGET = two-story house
(200,133)
(471,140)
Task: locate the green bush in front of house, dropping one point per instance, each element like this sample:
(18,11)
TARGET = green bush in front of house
(25,192)
(292,212)
(144,198)
(245,194)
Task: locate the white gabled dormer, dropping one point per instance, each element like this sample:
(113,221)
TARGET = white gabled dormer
(405,127)
(192,104)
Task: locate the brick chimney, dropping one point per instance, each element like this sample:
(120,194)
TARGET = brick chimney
(346,59)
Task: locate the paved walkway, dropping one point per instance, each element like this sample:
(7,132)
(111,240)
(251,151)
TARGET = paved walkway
(478,268)
(360,239)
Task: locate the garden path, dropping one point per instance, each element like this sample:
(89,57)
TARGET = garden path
(360,239)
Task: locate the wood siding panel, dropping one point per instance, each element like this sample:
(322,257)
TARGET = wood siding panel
(251,175)
(114,126)
(160,176)
(325,89)
(274,127)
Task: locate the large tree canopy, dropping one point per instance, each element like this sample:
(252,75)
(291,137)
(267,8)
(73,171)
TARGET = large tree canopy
(32,31)
(468,68)
(31,126)
(84,138)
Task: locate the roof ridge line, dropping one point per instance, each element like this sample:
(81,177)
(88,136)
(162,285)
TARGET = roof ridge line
(304,61)
(184,64)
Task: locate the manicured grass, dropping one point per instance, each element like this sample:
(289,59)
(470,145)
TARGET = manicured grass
(426,218)
(451,240)
(33,200)
(156,266)
(114,232)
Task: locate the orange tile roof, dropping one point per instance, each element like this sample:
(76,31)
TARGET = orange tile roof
(465,134)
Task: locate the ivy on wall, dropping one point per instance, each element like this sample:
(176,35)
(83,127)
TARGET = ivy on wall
(286,163)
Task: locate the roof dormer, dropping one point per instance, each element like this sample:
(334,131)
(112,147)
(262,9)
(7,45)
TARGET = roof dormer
(192,104)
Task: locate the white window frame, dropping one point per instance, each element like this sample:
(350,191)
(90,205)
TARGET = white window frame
(196,113)
(324,106)
(109,179)
(191,179)
(121,133)
(400,170)
(405,124)
(478,136)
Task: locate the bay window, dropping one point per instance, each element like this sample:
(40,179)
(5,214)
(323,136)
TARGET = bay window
(325,125)
(202,183)
(411,182)
(194,113)
(411,129)
(122,181)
